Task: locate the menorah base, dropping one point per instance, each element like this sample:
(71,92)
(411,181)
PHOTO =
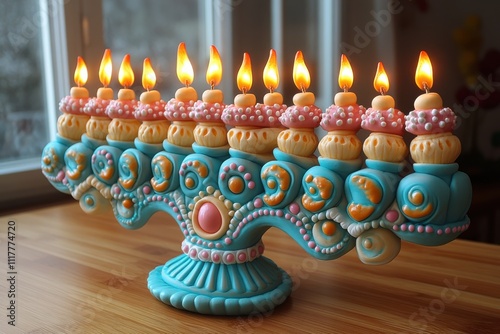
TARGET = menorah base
(185,283)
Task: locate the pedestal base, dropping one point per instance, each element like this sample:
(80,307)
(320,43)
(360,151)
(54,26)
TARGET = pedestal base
(220,289)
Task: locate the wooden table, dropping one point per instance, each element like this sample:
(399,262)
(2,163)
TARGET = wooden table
(86,274)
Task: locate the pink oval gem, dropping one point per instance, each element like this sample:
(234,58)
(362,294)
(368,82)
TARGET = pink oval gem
(209,218)
(242,257)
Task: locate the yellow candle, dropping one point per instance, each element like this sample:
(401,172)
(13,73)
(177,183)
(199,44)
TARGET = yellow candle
(273,98)
(213,77)
(148,82)
(381,84)
(185,73)
(126,79)
(271,80)
(346,78)
(213,96)
(244,81)
(302,80)
(424,80)
(80,77)
(105,70)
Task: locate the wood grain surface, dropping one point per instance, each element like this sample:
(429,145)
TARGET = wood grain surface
(86,274)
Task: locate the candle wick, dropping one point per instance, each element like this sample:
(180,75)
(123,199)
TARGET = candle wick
(212,85)
(345,89)
(187,83)
(302,88)
(244,90)
(271,90)
(426,87)
(382,91)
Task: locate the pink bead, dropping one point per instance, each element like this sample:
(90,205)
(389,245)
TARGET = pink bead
(242,257)
(420,229)
(241,169)
(247,176)
(294,208)
(429,229)
(257,203)
(251,185)
(392,215)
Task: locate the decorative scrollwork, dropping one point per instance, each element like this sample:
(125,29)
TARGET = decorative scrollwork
(423,198)
(77,160)
(239,180)
(280,183)
(104,164)
(133,169)
(323,188)
(197,172)
(377,246)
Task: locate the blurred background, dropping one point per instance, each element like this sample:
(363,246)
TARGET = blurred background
(41,39)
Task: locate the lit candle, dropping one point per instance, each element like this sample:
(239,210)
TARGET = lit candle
(105,70)
(346,78)
(381,84)
(244,81)
(148,82)
(126,79)
(424,81)
(213,77)
(302,80)
(185,73)
(80,77)
(271,80)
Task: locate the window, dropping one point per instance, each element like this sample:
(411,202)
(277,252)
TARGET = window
(31,44)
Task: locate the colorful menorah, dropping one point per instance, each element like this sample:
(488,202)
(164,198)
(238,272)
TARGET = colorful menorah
(225,197)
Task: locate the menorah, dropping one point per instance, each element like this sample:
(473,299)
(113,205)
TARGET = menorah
(228,173)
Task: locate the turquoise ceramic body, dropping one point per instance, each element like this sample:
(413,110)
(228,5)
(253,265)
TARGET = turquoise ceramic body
(224,200)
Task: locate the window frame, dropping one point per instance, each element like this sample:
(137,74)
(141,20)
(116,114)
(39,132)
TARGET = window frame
(22,182)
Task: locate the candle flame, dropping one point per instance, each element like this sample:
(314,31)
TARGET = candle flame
(148,75)
(106,68)
(423,74)
(185,71)
(381,81)
(271,74)
(346,77)
(81,73)
(244,77)
(126,74)
(214,70)
(301,76)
